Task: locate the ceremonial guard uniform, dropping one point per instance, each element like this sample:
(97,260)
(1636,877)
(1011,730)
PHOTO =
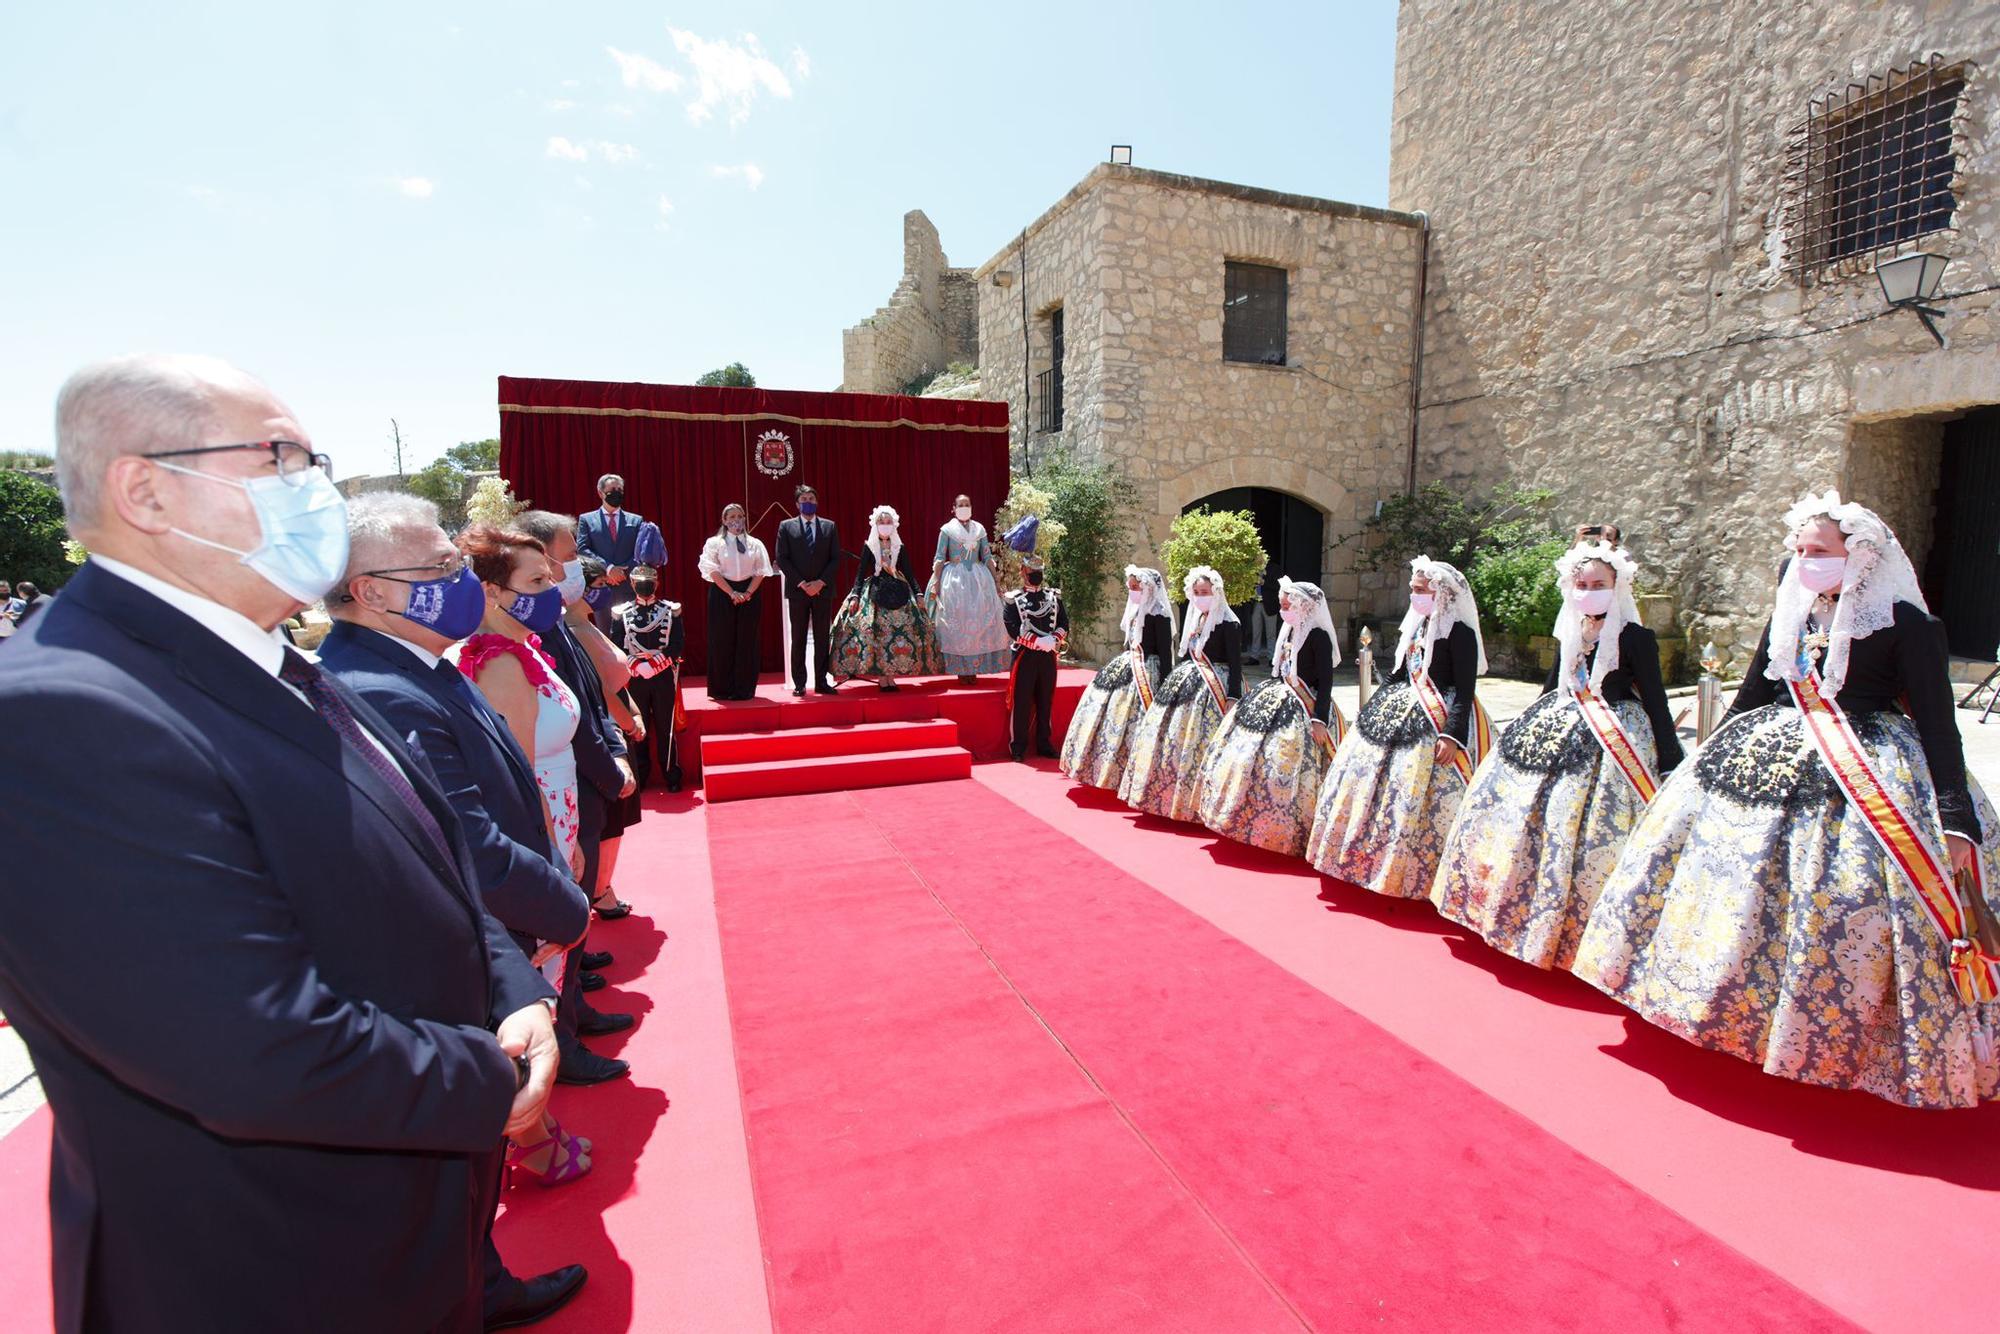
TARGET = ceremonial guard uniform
(651,633)
(1038,623)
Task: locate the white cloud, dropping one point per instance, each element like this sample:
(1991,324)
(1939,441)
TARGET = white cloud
(568,151)
(615,153)
(417,187)
(560,147)
(666,208)
(559,104)
(801,63)
(728,75)
(643,72)
(749,173)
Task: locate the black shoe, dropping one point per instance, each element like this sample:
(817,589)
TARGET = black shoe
(537,1298)
(889,687)
(596,1023)
(1047,753)
(591,981)
(798,692)
(581,1065)
(594,959)
(674,783)
(1020,756)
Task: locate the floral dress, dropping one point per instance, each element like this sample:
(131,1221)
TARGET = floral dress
(556,718)
(971,632)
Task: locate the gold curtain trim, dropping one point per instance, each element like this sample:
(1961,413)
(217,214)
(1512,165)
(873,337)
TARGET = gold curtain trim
(662,415)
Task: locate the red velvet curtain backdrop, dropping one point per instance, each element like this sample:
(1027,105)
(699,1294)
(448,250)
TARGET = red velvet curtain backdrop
(686,451)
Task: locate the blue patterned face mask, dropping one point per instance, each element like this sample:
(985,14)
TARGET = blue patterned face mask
(593,597)
(302,527)
(450,607)
(538,611)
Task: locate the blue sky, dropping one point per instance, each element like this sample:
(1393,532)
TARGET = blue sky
(380,207)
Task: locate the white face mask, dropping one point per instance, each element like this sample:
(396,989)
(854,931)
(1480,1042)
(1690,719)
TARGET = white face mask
(1423,603)
(1291,615)
(1203,601)
(1592,601)
(1822,574)
(1134,596)
(885,531)
(964,513)
(302,530)
(572,584)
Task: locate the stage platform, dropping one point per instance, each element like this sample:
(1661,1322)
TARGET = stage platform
(980,710)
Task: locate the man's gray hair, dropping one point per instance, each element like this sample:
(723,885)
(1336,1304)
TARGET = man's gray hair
(383,528)
(607,479)
(543,525)
(132,405)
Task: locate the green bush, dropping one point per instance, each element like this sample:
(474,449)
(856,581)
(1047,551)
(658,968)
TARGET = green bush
(1438,522)
(1226,540)
(1091,503)
(1516,586)
(32,533)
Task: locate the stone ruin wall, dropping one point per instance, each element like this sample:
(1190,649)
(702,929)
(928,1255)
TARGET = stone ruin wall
(1607,314)
(929,321)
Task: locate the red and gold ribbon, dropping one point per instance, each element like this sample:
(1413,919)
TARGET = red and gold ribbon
(1617,743)
(1463,759)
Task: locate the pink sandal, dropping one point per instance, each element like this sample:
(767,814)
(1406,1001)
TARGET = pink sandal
(568,1160)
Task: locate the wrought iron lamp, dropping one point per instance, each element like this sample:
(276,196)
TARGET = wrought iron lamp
(1908,281)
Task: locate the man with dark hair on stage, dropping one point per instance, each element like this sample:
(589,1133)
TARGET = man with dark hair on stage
(1039,623)
(808,556)
(611,533)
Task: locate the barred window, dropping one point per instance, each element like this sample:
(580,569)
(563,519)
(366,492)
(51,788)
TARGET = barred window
(1871,166)
(1253,313)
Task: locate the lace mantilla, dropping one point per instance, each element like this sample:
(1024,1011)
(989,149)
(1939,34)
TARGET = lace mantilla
(1570,622)
(1284,654)
(1194,634)
(1879,575)
(1455,605)
(1155,603)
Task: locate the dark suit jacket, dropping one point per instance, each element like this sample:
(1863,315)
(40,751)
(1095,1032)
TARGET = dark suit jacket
(800,561)
(257,995)
(485,776)
(593,537)
(598,744)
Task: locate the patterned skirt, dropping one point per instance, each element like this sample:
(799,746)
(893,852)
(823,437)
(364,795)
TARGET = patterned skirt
(1539,831)
(1099,739)
(971,627)
(1385,804)
(1163,774)
(882,641)
(1260,778)
(1753,912)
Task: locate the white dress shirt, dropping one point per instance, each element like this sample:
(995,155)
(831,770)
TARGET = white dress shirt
(720,555)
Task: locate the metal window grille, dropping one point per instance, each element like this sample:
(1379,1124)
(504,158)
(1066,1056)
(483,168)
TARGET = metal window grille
(1049,384)
(1253,313)
(1871,166)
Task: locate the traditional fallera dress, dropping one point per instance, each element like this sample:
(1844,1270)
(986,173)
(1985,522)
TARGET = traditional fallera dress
(1789,897)
(1386,803)
(1544,821)
(1163,773)
(971,635)
(883,630)
(1099,739)
(1260,778)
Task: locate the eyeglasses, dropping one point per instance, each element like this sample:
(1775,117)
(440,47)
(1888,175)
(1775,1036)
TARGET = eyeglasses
(292,459)
(449,568)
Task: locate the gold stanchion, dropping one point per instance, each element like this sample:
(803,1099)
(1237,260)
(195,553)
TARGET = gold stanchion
(1708,694)
(1365,664)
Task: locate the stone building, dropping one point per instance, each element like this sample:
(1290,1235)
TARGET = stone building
(1223,345)
(930,322)
(1651,278)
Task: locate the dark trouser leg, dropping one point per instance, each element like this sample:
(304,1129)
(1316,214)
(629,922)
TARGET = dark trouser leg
(799,614)
(1042,692)
(496,1284)
(721,645)
(590,829)
(822,625)
(1024,703)
(653,697)
(748,656)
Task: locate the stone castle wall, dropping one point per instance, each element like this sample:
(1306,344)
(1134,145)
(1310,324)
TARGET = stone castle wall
(1135,258)
(929,322)
(1607,312)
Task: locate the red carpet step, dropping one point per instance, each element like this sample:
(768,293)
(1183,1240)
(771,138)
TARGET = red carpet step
(831,759)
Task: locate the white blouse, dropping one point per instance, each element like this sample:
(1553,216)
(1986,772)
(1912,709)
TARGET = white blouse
(718,554)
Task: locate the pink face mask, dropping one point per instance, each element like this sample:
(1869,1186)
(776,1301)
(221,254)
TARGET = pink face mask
(1822,574)
(1592,601)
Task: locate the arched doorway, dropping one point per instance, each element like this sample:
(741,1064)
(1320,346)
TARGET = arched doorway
(1293,531)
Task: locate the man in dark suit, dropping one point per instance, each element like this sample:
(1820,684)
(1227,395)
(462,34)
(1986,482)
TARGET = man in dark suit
(282,1066)
(610,533)
(33,601)
(604,775)
(809,557)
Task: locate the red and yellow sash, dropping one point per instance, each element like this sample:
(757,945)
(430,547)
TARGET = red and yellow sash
(1617,743)
(1214,682)
(1139,679)
(1974,973)
(1464,759)
(1336,723)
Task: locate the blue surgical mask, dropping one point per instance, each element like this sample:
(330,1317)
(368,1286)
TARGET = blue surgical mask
(808,507)
(538,611)
(449,607)
(302,530)
(572,586)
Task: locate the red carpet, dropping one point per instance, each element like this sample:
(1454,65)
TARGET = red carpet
(902,1033)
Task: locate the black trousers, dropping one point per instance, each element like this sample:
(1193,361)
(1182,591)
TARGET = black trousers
(1034,700)
(732,645)
(653,698)
(800,609)
(590,807)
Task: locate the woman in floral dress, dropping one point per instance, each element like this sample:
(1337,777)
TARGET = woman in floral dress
(970,620)
(1100,732)
(1163,772)
(882,629)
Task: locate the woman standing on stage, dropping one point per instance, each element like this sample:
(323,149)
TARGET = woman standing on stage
(735,565)
(1100,732)
(1543,824)
(1814,892)
(882,630)
(1163,774)
(1390,796)
(971,629)
(1260,779)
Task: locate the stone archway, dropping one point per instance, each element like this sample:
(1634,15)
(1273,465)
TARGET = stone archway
(1287,476)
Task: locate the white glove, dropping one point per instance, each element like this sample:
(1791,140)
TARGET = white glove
(1046,643)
